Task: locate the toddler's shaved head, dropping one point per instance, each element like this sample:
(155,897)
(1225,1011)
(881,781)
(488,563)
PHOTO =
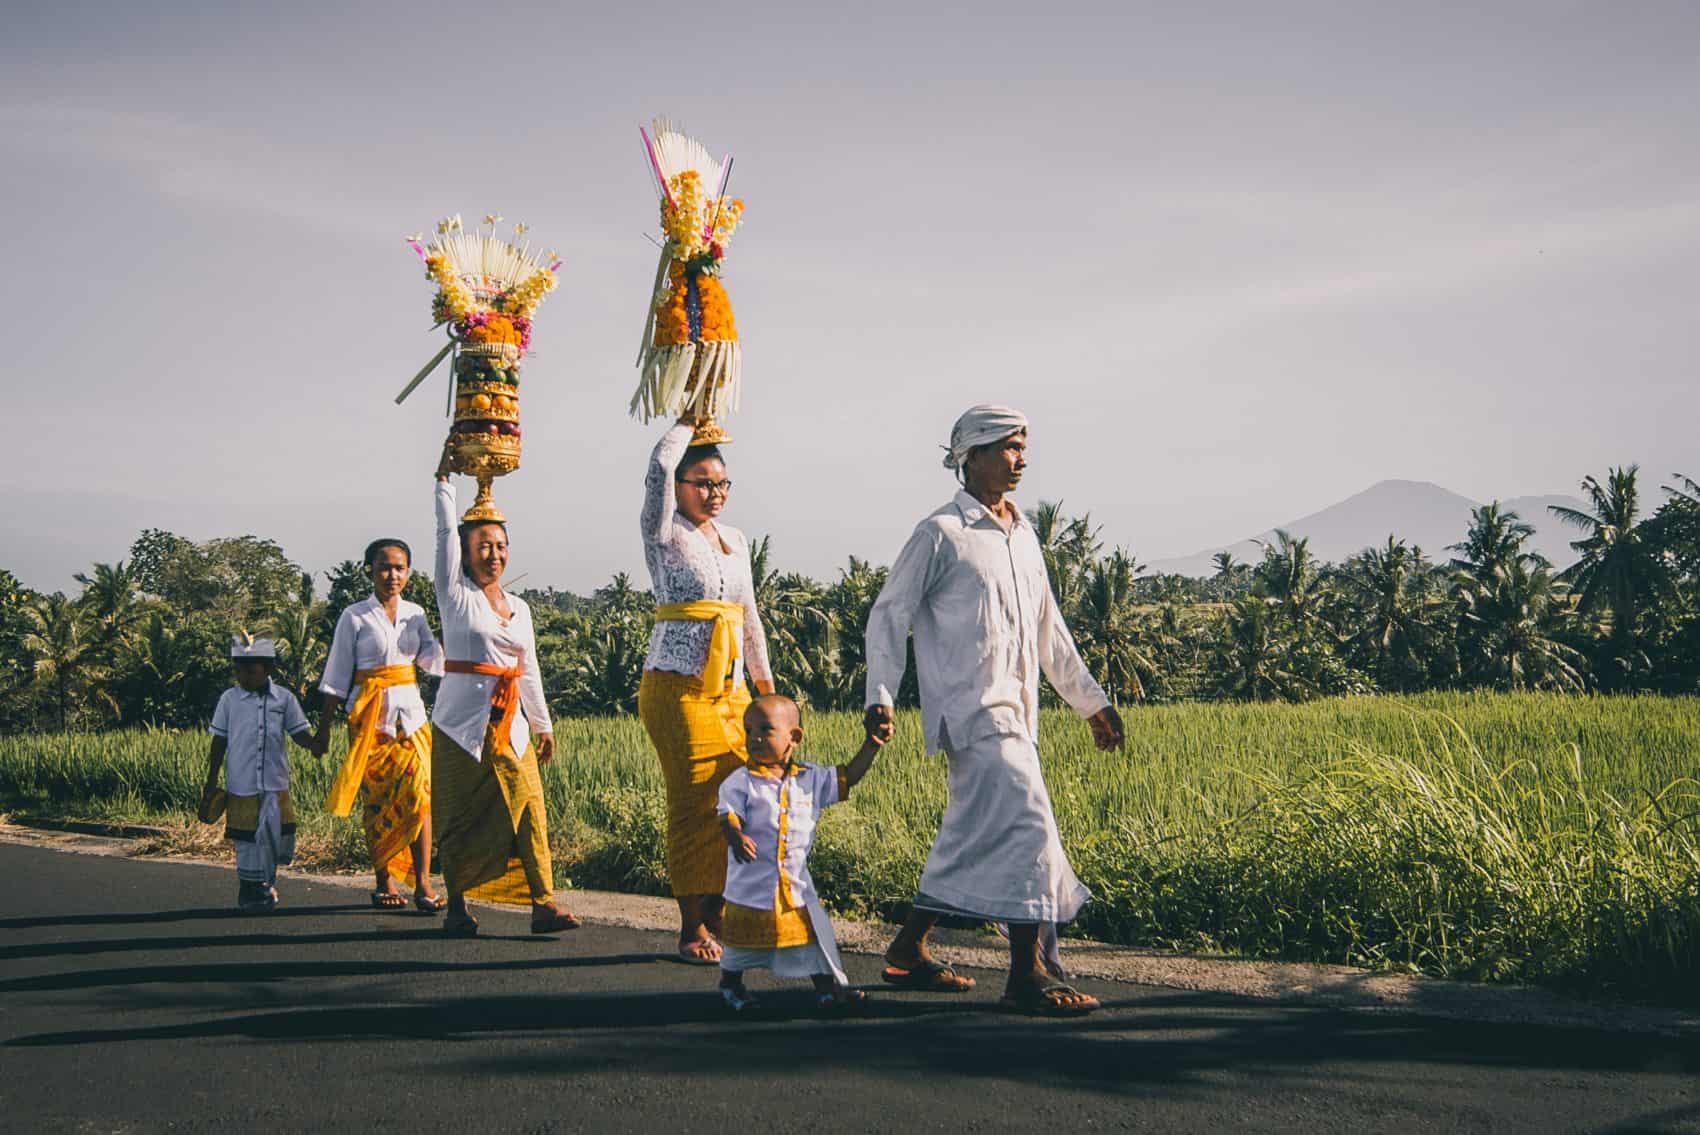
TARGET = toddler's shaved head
(777,708)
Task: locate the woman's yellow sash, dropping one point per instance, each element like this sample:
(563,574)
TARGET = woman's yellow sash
(724,643)
(363,731)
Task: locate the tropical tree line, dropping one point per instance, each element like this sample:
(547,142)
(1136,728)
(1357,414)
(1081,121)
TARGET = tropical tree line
(145,640)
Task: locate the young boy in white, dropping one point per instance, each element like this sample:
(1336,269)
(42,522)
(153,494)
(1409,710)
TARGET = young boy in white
(768,810)
(248,730)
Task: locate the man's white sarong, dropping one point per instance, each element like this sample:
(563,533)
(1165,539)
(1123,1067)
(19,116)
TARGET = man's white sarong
(998,855)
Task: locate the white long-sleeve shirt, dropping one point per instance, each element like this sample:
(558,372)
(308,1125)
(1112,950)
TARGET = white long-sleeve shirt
(985,623)
(685,565)
(473,632)
(365,639)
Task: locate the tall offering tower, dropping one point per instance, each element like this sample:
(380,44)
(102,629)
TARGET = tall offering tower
(488,288)
(690,363)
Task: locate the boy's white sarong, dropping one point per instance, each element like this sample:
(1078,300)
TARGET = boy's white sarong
(998,855)
(257,861)
(807,960)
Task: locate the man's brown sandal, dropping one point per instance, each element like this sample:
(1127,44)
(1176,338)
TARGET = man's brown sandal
(927,977)
(387,900)
(1049,1000)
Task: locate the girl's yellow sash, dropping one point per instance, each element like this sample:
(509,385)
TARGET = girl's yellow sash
(363,731)
(724,644)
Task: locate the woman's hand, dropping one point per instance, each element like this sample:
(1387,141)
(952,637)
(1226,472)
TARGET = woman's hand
(545,748)
(445,462)
(744,851)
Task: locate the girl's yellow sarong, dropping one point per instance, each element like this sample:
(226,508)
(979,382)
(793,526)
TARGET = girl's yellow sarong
(398,798)
(395,771)
(700,741)
(488,819)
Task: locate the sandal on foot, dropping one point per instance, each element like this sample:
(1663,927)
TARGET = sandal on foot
(739,1000)
(693,952)
(460,926)
(1047,1000)
(927,977)
(387,900)
(841,1001)
(430,904)
(557,921)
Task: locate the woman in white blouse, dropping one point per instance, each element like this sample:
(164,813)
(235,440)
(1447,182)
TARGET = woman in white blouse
(380,644)
(692,697)
(488,799)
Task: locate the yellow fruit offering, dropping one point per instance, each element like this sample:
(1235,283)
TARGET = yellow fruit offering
(480,401)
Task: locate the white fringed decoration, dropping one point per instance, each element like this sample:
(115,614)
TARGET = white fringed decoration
(665,389)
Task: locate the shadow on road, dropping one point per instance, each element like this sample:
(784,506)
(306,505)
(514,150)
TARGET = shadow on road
(266,972)
(145,917)
(420,931)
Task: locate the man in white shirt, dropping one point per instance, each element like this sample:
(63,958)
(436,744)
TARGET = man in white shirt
(971,583)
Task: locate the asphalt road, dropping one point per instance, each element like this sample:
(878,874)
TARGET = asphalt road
(132,999)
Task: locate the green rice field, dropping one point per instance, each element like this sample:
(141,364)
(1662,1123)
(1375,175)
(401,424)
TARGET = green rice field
(1528,837)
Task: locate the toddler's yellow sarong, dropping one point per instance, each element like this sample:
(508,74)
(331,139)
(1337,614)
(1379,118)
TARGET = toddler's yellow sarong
(395,771)
(700,742)
(488,820)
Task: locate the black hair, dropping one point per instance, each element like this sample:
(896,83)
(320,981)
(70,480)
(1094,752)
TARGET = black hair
(695,454)
(380,544)
(467,528)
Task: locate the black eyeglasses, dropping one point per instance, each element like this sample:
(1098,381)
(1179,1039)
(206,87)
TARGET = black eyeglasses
(722,487)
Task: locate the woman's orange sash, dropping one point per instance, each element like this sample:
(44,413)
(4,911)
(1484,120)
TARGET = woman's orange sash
(363,731)
(504,699)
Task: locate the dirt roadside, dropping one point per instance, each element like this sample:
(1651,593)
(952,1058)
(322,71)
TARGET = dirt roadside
(1321,986)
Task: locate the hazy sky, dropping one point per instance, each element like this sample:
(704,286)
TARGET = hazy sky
(1235,261)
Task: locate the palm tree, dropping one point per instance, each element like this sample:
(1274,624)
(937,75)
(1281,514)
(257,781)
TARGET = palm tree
(1394,623)
(110,596)
(298,629)
(1108,621)
(1619,571)
(158,660)
(1505,629)
(1289,576)
(802,638)
(68,664)
(1253,661)
(1069,546)
(1496,537)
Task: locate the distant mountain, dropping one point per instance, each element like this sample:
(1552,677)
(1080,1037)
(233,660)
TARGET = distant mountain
(1418,512)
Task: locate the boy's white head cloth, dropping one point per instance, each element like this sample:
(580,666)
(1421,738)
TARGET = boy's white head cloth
(245,646)
(981,425)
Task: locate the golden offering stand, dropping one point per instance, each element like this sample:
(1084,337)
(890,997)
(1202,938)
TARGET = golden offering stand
(708,432)
(484,441)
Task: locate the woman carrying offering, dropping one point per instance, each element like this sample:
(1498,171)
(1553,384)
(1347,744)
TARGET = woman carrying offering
(488,799)
(692,697)
(379,643)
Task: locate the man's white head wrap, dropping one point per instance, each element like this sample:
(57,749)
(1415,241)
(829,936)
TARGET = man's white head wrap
(981,425)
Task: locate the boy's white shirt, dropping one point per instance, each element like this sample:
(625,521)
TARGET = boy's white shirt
(256,726)
(758,802)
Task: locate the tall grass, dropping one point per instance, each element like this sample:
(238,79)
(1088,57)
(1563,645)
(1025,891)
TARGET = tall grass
(1505,837)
